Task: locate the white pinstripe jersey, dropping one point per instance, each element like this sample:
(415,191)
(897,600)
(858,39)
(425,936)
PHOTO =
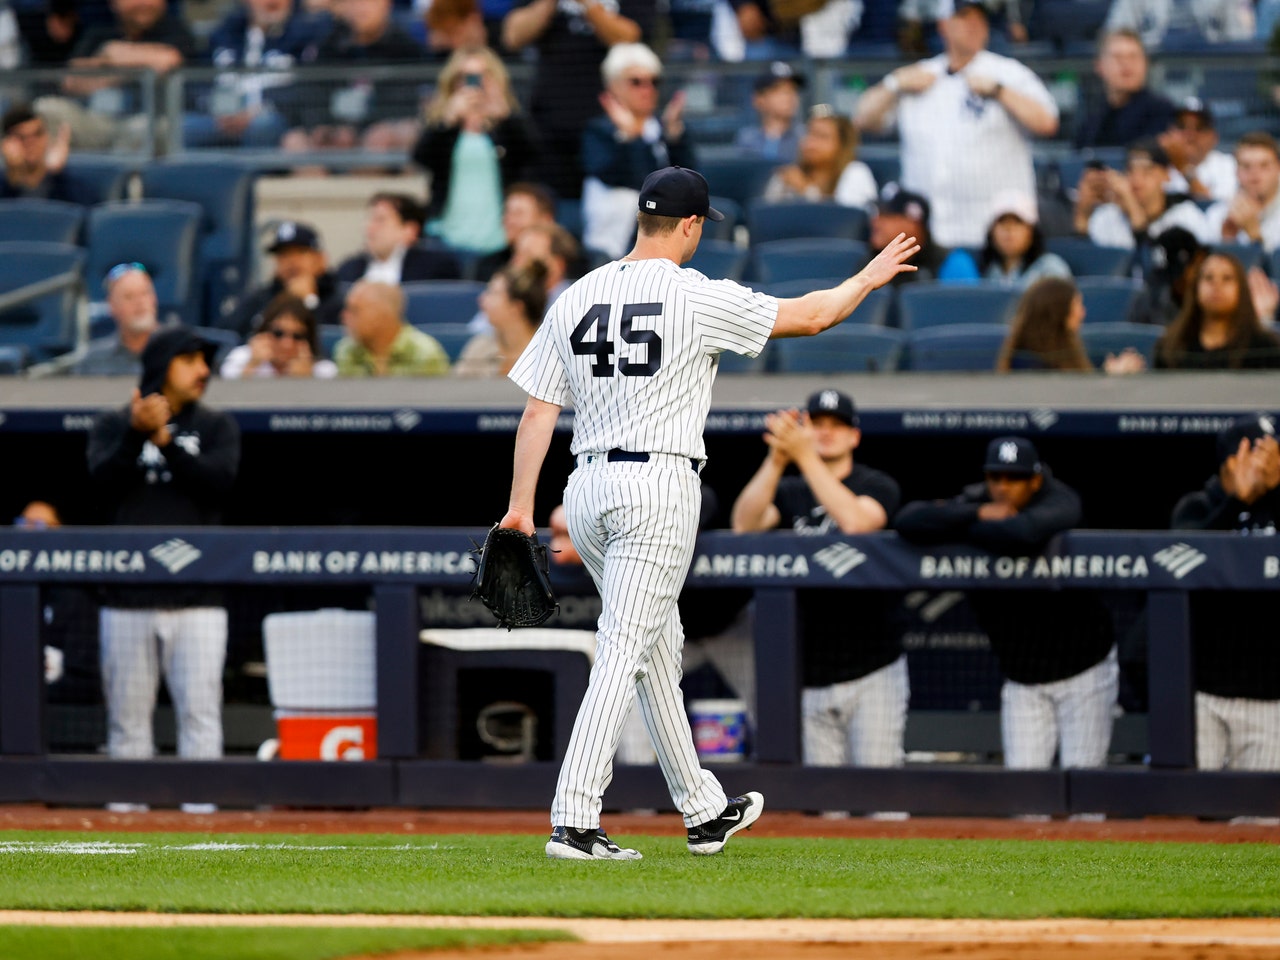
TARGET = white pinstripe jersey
(960,150)
(635,345)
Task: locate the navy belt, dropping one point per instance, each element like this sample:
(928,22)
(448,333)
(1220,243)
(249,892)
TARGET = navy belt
(632,456)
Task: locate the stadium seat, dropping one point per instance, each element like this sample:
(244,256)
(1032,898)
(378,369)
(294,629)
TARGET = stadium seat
(930,304)
(223,188)
(569,216)
(1070,168)
(1101,339)
(226,340)
(106,176)
(775,261)
(741,179)
(958,346)
(1109,299)
(330,334)
(1249,254)
(790,219)
(719,260)
(874,311)
(46,325)
(726,228)
(452,336)
(44,221)
(1087,259)
(1068,23)
(845,349)
(160,234)
(12,360)
(428,302)
(886,168)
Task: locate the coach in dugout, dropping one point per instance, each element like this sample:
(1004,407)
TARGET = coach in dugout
(165,460)
(1237,664)
(966,118)
(1056,648)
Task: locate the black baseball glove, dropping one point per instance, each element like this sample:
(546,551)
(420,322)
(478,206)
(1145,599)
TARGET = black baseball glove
(511,578)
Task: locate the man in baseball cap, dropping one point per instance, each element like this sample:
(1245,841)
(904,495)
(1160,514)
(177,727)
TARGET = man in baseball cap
(905,211)
(302,269)
(776,100)
(677,192)
(1199,169)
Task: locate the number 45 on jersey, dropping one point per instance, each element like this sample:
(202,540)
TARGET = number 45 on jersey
(590,338)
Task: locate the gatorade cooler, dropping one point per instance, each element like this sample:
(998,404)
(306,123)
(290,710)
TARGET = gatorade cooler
(322,682)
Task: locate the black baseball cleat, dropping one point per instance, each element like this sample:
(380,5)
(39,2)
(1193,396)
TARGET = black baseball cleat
(708,838)
(569,843)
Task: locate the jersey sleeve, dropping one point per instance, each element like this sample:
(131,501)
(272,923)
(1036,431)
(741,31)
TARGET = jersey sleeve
(881,488)
(539,372)
(729,316)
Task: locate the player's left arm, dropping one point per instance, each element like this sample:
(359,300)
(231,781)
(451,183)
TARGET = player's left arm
(533,437)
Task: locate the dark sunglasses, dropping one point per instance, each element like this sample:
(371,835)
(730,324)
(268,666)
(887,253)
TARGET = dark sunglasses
(281,334)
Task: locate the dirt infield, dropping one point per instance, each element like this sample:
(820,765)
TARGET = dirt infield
(891,939)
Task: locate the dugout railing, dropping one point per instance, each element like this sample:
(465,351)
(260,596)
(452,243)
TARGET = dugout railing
(394,564)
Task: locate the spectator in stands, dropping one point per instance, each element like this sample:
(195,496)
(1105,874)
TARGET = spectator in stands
(777,103)
(359,113)
(1180,23)
(1199,170)
(454,25)
(1045,333)
(554,247)
(165,460)
(392,228)
(1014,253)
(476,142)
(514,301)
(526,203)
(1236,671)
(378,342)
(1056,648)
(1218,327)
(571,41)
(1252,214)
(302,269)
(250,109)
(50,32)
(826,168)
(287,344)
(902,211)
(1130,111)
(1115,208)
(966,118)
(34,162)
(854,704)
(1174,257)
(625,145)
(131,300)
(917,22)
(144,35)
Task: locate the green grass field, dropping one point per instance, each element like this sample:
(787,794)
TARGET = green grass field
(509,876)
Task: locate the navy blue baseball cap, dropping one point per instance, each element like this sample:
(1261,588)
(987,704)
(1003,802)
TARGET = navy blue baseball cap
(677,192)
(1013,455)
(1253,428)
(833,403)
(294,233)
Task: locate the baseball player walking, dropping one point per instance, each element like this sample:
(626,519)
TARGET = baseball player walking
(635,345)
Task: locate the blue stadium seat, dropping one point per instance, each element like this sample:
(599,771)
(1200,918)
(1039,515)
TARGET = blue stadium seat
(330,334)
(1070,168)
(930,304)
(852,348)
(45,326)
(44,221)
(1068,22)
(107,176)
(741,179)
(791,219)
(1101,339)
(428,302)
(452,336)
(886,168)
(1110,299)
(223,187)
(160,234)
(798,288)
(226,340)
(1087,259)
(569,216)
(720,260)
(957,346)
(1249,254)
(726,228)
(775,261)
(12,360)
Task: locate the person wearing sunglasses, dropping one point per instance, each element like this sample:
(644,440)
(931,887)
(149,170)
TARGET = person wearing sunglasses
(131,301)
(626,144)
(286,345)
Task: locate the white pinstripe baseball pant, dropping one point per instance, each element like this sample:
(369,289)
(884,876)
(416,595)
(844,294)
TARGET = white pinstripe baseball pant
(1237,734)
(634,525)
(1072,716)
(859,722)
(190,645)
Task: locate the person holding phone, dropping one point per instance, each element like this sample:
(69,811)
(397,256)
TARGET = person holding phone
(475,144)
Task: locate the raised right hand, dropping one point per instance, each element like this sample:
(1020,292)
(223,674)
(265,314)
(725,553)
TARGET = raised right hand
(892,260)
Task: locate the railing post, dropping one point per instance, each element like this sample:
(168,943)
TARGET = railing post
(397,620)
(1171,722)
(777,651)
(21,668)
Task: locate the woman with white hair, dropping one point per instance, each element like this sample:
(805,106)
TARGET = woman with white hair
(625,145)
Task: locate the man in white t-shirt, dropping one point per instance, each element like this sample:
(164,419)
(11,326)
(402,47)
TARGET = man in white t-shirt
(1252,214)
(1118,209)
(966,118)
(1199,170)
